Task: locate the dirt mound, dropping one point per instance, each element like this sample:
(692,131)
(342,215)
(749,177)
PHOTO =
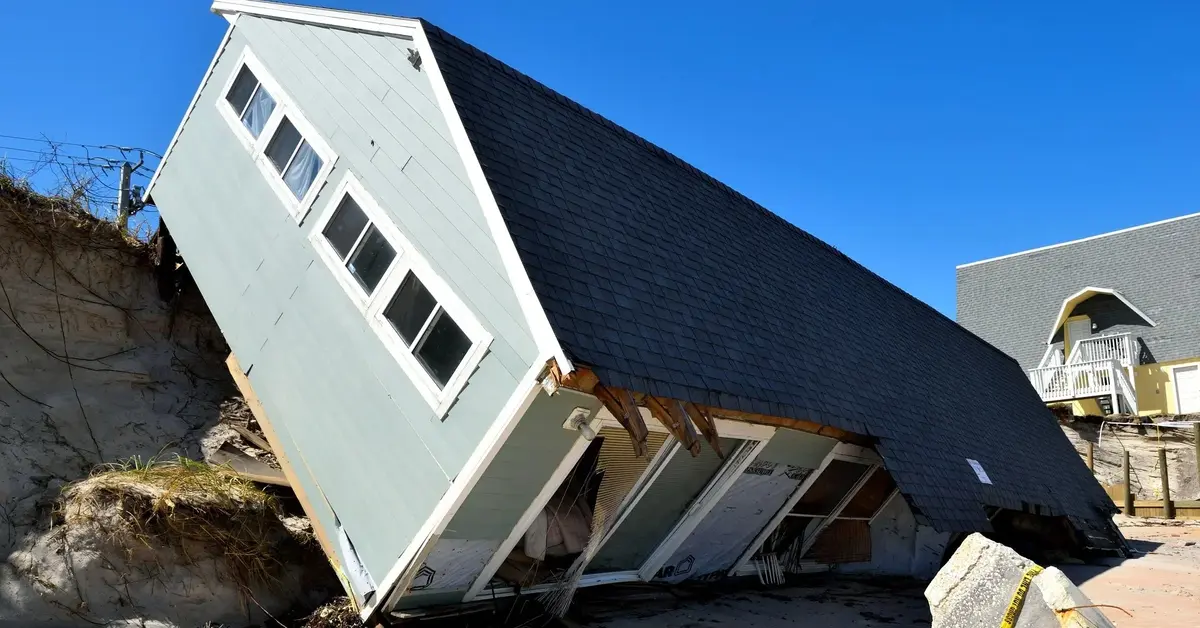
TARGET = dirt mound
(1142,443)
(193,507)
(95,367)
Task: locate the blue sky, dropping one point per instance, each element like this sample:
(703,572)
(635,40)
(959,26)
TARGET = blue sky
(913,136)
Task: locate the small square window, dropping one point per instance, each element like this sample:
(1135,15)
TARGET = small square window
(251,101)
(242,89)
(444,348)
(305,167)
(411,307)
(440,344)
(294,158)
(283,145)
(345,227)
(372,259)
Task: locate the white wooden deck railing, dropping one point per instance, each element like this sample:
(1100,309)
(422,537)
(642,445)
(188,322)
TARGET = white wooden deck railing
(1078,380)
(1052,357)
(1119,347)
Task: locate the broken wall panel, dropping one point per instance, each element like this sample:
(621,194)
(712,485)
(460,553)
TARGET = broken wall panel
(749,505)
(509,485)
(681,478)
(843,541)
(871,497)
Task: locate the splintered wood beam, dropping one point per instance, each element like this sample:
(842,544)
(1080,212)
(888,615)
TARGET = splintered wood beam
(795,424)
(582,379)
(622,406)
(676,422)
(706,425)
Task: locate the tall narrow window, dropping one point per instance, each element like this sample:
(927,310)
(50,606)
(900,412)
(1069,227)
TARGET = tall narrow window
(294,158)
(250,101)
(362,248)
(438,343)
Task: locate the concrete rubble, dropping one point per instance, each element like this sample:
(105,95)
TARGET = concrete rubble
(988,584)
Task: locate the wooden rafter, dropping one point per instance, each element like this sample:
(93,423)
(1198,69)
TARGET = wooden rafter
(622,406)
(585,380)
(706,425)
(668,412)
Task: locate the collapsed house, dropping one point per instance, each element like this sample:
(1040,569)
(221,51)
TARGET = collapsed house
(503,345)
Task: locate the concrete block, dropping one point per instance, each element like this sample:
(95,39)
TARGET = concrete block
(979,583)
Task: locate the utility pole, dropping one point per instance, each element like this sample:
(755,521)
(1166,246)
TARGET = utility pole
(123,197)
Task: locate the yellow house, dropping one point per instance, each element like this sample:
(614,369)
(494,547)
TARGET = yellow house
(1107,324)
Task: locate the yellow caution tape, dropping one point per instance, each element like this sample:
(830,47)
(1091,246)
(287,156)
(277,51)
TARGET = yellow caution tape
(1018,598)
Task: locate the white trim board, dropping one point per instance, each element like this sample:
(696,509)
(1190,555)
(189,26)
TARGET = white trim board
(191,108)
(1070,242)
(729,472)
(502,427)
(285,108)
(349,20)
(714,489)
(841,451)
(535,316)
(1061,319)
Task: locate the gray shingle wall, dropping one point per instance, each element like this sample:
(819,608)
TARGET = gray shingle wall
(664,280)
(1012,302)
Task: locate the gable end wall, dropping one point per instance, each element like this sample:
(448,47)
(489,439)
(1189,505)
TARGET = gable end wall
(1012,302)
(365,437)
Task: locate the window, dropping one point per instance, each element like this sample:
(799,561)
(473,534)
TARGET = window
(284,146)
(293,158)
(251,101)
(431,333)
(363,249)
(435,339)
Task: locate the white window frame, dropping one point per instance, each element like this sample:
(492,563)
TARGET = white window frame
(257,147)
(372,306)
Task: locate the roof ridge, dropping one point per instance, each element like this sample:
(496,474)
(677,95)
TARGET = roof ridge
(1156,223)
(691,169)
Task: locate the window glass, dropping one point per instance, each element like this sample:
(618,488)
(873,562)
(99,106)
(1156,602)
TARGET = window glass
(243,87)
(346,225)
(303,170)
(286,139)
(261,106)
(444,348)
(411,307)
(372,259)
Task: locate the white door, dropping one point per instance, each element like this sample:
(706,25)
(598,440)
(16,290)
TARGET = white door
(1077,330)
(1187,389)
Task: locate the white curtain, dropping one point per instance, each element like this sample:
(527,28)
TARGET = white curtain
(303,171)
(257,112)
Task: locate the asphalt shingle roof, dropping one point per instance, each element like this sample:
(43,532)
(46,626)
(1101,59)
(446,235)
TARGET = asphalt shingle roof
(664,280)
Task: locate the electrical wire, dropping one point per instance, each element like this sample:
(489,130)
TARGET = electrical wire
(47,140)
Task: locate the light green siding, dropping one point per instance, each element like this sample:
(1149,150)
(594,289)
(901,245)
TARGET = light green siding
(372,449)
(534,450)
